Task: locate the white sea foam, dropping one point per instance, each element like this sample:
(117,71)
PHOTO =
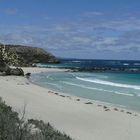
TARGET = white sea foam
(76,61)
(125,64)
(98,89)
(103,82)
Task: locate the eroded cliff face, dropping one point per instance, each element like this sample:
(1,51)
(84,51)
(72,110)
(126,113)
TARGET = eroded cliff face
(31,55)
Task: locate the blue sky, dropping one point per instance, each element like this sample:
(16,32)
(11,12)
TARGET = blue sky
(98,29)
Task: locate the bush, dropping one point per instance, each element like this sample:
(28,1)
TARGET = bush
(14,128)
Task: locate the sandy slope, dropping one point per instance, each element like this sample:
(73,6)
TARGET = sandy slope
(79,120)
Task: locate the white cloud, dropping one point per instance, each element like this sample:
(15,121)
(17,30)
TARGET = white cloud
(86,35)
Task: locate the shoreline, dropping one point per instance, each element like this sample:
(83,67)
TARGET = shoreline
(107,106)
(82,99)
(81,120)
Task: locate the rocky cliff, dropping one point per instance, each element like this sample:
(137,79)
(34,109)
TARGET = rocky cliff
(30,55)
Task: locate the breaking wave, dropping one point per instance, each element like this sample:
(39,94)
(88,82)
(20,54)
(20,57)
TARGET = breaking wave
(103,82)
(98,89)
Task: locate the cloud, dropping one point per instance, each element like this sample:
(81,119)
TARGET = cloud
(97,37)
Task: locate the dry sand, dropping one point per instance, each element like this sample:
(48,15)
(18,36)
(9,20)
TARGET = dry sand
(79,120)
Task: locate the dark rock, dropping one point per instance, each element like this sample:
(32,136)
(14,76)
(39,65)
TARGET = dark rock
(27,75)
(89,103)
(5,68)
(115,109)
(105,107)
(128,112)
(17,72)
(62,96)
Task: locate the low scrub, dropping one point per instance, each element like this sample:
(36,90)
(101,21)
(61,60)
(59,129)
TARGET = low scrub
(14,128)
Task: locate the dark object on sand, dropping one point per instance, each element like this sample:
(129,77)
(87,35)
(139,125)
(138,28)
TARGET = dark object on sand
(69,97)
(116,109)
(77,99)
(99,105)
(62,95)
(27,75)
(128,112)
(122,110)
(89,103)
(105,107)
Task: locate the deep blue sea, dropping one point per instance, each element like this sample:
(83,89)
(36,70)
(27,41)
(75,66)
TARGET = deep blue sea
(89,63)
(120,89)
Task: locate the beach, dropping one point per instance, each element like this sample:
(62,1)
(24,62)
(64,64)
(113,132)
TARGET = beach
(79,118)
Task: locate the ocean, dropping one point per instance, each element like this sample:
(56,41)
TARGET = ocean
(116,88)
(89,63)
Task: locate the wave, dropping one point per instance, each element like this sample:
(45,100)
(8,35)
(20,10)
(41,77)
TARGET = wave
(56,85)
(98,89)
(126,64)
(97,81)
(76,61)
(136,64)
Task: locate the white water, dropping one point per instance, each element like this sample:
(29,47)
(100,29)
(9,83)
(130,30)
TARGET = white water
(103,82)
(98,89)
(118,89)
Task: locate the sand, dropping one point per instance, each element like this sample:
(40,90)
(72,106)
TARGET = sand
(79,118)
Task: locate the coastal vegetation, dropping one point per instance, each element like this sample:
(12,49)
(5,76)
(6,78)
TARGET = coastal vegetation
(7,59)
(31,55)
(17,55)
(13,127)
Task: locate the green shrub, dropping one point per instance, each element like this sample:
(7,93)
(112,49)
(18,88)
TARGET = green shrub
(14,128)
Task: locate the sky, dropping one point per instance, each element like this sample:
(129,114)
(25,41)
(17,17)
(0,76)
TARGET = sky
(89,29)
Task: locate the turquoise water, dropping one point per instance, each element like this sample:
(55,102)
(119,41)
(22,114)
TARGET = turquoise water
(115,88)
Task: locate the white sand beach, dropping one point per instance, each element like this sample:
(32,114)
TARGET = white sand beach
(79,120)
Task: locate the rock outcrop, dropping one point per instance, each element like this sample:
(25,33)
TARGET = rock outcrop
(16,71)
